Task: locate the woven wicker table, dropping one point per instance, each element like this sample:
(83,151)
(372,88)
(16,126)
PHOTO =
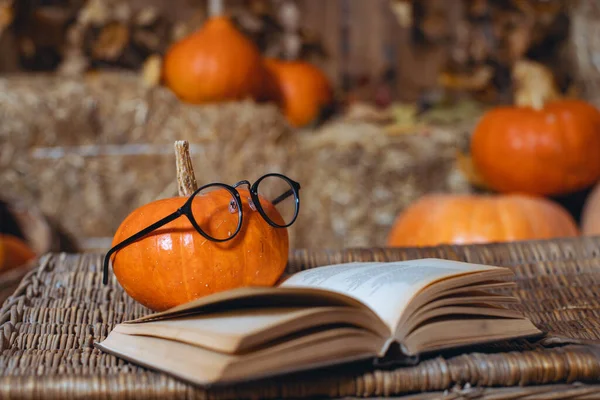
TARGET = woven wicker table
(48,326)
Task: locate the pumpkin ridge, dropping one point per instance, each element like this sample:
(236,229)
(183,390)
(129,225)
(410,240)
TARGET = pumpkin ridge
(184,271)
(505,220)
(533,225)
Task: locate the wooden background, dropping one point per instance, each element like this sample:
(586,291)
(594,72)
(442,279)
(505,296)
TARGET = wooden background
(363,40)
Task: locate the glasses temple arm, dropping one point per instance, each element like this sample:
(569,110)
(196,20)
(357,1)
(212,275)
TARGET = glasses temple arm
(134,238)
(282,197)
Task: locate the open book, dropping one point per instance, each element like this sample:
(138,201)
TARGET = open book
(323,316)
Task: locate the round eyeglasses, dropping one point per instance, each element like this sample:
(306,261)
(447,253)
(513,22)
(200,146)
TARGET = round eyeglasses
(274,196)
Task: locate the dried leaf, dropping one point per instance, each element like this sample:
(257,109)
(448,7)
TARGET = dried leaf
(405,120)
(147,16)
(452,114)
(95,13)
(111,42)
(6,16)
(151,71)
(404,113)
(476,80)
(403,11)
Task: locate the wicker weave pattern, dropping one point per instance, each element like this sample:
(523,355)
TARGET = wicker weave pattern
(49,324)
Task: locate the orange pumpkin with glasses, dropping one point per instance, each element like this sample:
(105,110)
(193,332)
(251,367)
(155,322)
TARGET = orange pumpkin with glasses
(175,250)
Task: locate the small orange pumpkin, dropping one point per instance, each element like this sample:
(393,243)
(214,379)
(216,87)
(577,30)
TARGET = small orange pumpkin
(216,63)
(464,219)
(175,264)
(14,252)
(300,88)
(590,215)
(543,145)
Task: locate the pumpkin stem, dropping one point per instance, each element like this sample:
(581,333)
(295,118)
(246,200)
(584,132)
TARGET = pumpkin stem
(535,85)
(186,179)
(215,8)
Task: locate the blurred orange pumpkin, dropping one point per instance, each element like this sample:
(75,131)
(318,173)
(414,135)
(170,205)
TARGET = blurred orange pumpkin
(215,63)
(300,88)
(549,151)
(464,219)
(14,252)
(175,264)
(590,215)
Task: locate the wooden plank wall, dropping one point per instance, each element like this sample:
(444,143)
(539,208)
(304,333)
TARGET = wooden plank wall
(364,38)
(361,38)
(358,35)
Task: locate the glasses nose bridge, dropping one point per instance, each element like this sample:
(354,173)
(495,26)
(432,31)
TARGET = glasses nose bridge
(244,182)
(250,201)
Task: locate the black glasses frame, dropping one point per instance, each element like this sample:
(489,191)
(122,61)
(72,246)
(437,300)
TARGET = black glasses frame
(186,210)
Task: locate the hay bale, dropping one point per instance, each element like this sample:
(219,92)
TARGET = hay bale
(358,179)
(89,150)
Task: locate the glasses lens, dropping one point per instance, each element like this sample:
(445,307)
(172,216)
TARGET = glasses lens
(277,200)
(216,212)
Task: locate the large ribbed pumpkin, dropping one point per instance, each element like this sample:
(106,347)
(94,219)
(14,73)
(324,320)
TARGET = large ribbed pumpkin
(590,215)
(465,219)
(548,151)
(175,264)
(214,64)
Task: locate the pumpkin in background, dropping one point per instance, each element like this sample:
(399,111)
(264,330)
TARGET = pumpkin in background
(175,264)
(590,215)
(216,63)
(465,219)
(300,88)
(551,151)
(544,144)
(14,252)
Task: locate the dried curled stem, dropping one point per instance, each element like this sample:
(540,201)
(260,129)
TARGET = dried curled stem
(186,179)
(535,85)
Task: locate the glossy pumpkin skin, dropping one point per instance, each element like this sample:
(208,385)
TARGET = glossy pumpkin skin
(175,264)
(467,219)
(543,152)
(214,64)
(300,88)
(590,215)
(14,252)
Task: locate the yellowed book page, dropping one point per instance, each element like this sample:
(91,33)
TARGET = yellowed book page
(386,288)
(204,367)
(241,330)
(257,297)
